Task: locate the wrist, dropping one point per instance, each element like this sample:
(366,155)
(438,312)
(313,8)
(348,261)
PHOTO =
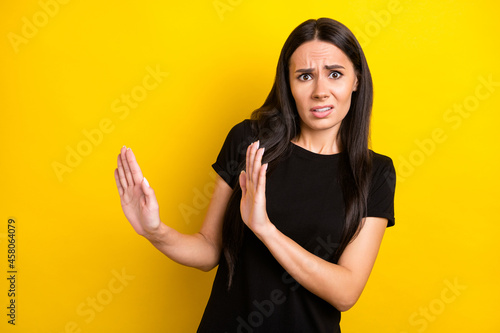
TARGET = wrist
(266,232)
(156,235)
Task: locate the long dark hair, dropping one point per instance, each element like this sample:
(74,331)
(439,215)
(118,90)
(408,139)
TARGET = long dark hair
(277,122)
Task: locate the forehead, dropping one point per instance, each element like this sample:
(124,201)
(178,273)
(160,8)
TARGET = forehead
(315,51)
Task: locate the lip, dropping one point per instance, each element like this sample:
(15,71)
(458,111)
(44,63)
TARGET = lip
(321,107)
(321,114)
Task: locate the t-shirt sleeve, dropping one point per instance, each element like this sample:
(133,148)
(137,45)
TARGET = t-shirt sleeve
(381,195)
(229,162)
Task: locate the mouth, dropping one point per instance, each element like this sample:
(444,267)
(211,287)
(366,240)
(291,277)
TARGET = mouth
(322,108)
(322,111)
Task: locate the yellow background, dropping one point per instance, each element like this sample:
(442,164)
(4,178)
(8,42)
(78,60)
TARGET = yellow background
(428,59)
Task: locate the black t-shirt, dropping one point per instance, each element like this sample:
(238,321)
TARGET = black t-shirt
(304,201)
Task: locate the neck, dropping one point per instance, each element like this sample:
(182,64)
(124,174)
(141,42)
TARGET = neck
(319,141)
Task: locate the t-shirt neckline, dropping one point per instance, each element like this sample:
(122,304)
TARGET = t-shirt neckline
(309,154)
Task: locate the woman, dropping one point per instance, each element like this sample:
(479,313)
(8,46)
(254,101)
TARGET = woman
(300,205)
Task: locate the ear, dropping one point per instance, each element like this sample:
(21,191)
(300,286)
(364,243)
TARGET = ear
(355,86)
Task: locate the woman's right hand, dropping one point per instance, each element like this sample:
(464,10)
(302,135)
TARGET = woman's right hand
(137,198)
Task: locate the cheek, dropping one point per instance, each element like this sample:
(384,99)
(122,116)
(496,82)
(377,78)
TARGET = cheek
(298,95)
(345,93)
(346,104)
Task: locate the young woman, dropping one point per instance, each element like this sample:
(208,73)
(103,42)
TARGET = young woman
(301,203)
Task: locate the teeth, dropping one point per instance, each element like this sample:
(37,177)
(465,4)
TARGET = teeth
(323,109)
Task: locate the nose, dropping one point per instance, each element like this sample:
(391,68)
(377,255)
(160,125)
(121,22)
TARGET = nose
(320,91)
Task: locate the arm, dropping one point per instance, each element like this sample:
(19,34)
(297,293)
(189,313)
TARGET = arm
(339,284)
(200,250)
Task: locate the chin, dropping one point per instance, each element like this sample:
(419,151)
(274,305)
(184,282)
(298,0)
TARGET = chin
(321,124)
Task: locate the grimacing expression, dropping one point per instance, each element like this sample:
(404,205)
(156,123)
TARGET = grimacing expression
(322,79)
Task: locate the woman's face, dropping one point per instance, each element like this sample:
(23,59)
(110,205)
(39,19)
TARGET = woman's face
(322,79)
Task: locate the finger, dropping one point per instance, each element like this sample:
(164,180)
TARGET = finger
(253,150)
(121,173)
(149,194)
(126,168)
(257,164)
(118,184)
(247,159)
(261,185)
(243,183)
(134,167)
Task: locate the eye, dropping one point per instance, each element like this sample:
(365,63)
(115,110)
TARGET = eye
(302,76)
(335,74)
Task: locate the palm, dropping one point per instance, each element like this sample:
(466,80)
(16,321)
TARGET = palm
(136,210)
(138,201)
(252,206)
(253,182)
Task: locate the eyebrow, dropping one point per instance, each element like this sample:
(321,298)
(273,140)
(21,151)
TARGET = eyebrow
(308,70)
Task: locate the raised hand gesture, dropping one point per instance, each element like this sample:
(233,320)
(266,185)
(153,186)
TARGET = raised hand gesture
(137,198)
(253,188)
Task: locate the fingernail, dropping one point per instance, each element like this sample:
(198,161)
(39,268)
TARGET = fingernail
(129,149)
(146,181)
(263,148)
(265,166)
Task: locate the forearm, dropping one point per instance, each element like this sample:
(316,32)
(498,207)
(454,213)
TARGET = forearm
(331,282)
(190,250)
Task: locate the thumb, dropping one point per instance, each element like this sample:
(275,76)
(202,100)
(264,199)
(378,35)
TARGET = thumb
(149,193)
(243,182)
(145,185)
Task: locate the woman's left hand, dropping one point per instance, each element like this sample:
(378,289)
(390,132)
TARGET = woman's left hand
(253,188)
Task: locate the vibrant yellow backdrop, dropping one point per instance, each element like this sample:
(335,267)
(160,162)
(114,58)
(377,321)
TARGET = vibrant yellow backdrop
(80,79)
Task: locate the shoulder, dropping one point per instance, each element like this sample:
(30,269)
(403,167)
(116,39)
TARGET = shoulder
(243,129)
(237,140)
(232,154)
(382,167)
(380,160)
